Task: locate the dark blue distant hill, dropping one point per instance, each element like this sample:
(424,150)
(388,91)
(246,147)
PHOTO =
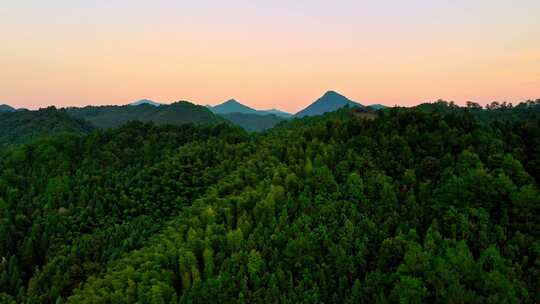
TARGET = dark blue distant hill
(277,113)
(330,101)
(6,108)
(145,101)
(232,106)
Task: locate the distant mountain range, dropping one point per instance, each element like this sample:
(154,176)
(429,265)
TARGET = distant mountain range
(17,126)
(330,101)
(22,125)
(258,120)
(233,106)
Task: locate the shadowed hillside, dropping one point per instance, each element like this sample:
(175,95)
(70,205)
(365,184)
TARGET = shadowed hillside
(18,127)
(253,122)
(178,113)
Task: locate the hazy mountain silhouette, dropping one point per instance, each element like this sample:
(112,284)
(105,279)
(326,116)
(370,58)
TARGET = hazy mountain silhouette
(232,106)
(145,101)
(329,102)
(6,108)
(277,113)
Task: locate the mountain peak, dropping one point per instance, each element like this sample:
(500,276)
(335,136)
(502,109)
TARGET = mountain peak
(145,101)
(330,101)
(232,106)
(231,101)
(332,94)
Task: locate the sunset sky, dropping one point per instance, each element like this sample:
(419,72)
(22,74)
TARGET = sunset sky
(267,54)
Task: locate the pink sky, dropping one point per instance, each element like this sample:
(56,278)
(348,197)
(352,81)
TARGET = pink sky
(268,54)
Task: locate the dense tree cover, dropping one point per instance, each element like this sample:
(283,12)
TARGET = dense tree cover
(253,122)
(70,204)
(408,206)
(18,127)
(177,113)
(491,112)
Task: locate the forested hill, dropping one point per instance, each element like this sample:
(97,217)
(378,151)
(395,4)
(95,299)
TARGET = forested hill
(177,113)
(403,206)
(69,205)
(18,127)
(494,111)
(408,207)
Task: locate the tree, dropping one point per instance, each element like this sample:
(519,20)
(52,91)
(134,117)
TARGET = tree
(409,290)
(255,262)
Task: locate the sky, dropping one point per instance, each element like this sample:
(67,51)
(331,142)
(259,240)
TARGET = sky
(268,54)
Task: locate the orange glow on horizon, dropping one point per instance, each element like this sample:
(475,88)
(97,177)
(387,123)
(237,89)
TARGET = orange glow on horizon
(369,53)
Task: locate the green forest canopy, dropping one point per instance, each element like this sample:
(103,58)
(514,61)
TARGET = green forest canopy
(177,113)
(18,127)
(411,206)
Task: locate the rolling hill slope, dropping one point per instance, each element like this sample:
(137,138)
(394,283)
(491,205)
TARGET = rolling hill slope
(177,113)
(17,127)
(6,108)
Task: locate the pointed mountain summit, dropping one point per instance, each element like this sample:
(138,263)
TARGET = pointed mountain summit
(232,106)
(330,101)
(145,101)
